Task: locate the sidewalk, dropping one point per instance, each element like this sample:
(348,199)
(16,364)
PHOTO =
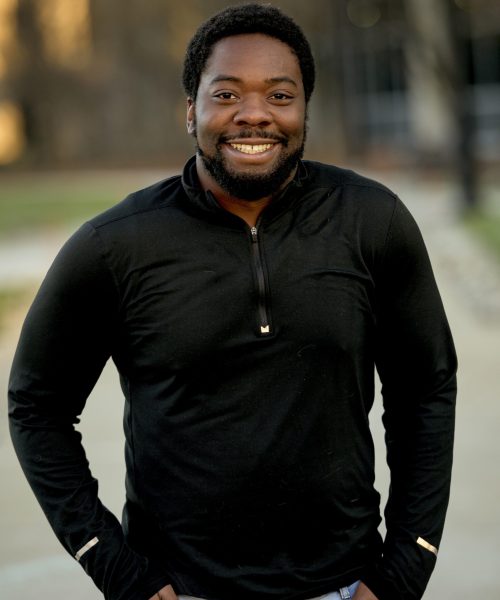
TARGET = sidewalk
(31,560)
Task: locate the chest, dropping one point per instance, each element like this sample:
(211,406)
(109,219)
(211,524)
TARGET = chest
(188,298)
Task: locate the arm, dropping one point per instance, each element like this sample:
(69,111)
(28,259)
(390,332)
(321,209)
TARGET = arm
(417,364)
(66,340)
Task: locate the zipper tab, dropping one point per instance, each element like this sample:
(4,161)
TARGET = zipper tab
(253,232)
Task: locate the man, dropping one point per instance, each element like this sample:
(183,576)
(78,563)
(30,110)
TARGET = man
(245,304)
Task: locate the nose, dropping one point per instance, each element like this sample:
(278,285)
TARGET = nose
(252,110)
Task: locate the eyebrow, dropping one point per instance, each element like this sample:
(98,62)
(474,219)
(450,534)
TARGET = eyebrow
(270,80)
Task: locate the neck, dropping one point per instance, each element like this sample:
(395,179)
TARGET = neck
(248,210)
(244,209)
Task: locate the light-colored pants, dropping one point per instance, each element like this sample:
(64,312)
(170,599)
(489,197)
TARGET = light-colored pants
(343,594)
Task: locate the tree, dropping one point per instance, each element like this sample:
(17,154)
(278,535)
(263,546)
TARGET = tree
(443,121)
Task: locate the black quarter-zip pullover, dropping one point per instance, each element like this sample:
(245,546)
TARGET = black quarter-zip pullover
(246,358)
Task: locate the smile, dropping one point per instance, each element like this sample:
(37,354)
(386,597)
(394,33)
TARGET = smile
(252,148)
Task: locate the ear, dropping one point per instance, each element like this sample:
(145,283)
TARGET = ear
(191,117)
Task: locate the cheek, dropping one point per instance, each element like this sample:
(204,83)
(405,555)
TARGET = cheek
(207,127)
(294,124)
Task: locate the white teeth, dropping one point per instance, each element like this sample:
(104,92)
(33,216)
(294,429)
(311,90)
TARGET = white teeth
(252,148)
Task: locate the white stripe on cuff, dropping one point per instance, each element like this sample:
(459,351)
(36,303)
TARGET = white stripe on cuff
(427,546)
(85,548)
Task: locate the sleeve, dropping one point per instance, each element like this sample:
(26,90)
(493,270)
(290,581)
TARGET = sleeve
(416,362)
(65,342)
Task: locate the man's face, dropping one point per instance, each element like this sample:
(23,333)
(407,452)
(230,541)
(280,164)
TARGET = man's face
(249,116)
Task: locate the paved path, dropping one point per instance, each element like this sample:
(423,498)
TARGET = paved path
(31,560)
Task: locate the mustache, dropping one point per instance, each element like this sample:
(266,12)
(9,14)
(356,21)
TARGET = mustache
(248,134)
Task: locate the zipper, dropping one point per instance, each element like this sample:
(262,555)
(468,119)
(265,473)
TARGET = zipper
(265,328)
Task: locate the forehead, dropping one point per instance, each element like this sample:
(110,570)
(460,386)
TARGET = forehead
(252,55)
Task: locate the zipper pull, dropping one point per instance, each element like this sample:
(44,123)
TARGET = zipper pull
(253,231)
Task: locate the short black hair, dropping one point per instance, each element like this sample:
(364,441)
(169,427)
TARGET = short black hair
(240,19)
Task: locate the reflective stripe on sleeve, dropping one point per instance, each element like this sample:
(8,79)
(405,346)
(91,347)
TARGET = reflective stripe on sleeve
(86,548)
(427,546)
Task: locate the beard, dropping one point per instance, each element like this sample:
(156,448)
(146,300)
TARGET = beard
(252,186)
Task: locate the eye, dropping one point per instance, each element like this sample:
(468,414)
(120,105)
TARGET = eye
(225,96)
(281,97)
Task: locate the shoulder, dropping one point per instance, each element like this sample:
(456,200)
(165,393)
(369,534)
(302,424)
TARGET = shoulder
(359,198)
(144,202)
(332,177)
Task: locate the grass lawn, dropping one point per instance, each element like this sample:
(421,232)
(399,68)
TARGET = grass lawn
(486,226)
(11,299)
(38,200)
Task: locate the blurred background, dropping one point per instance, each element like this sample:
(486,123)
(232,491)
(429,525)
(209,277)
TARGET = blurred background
(408,92)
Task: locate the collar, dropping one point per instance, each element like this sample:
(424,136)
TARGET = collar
(205,202)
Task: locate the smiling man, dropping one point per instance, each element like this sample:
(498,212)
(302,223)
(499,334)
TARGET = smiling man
(246,305)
